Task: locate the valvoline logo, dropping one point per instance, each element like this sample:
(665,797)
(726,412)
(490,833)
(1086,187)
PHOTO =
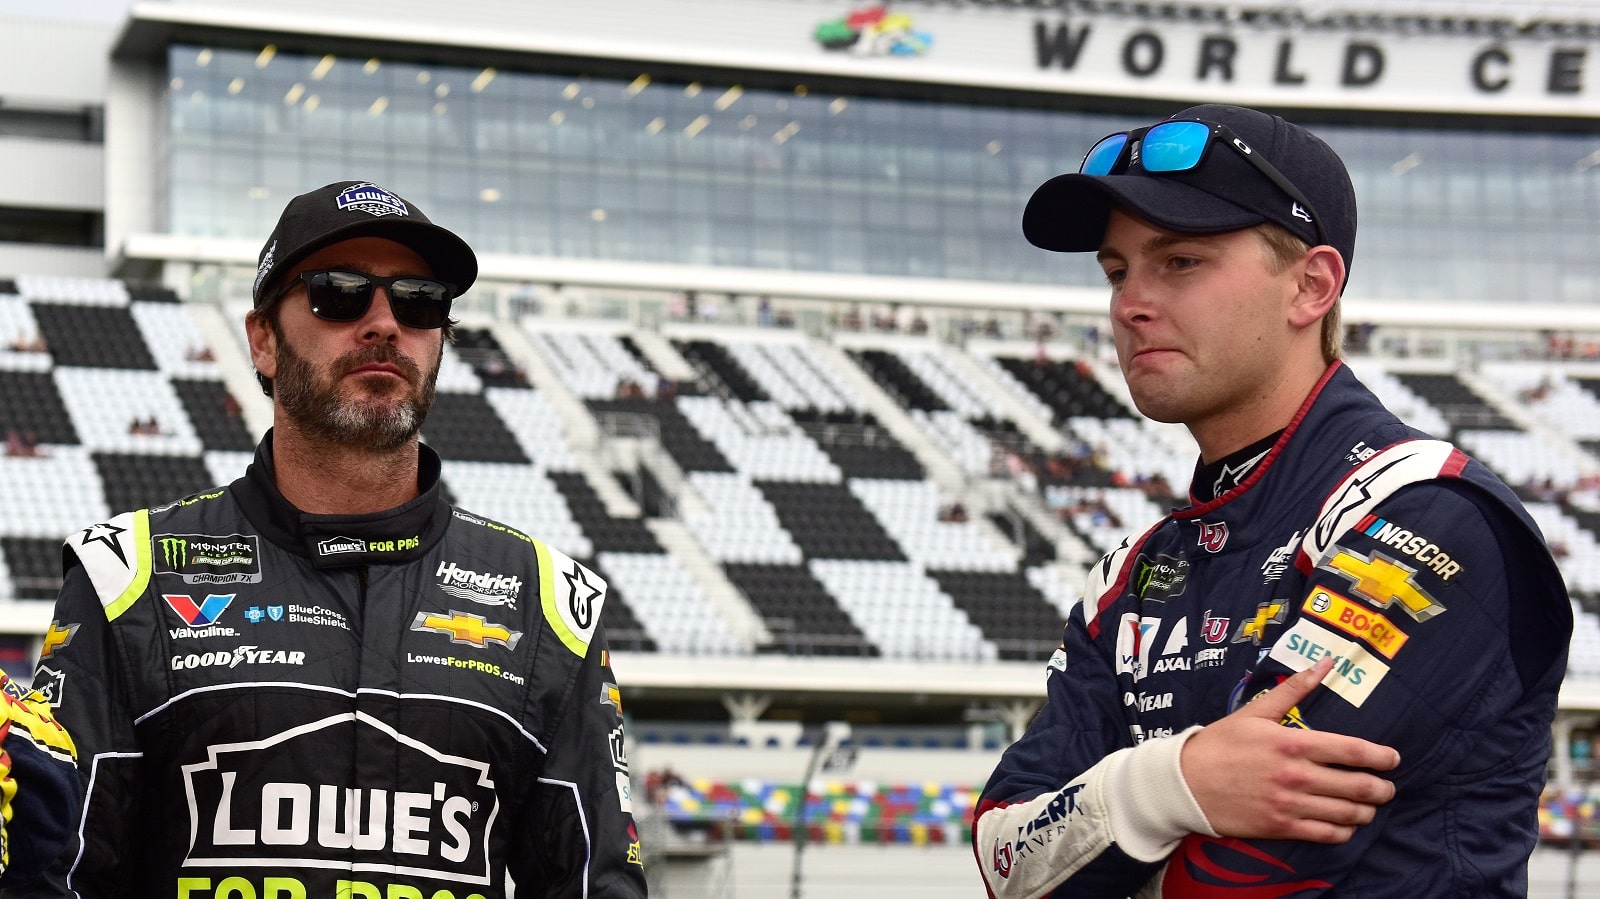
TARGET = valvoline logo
(198,614)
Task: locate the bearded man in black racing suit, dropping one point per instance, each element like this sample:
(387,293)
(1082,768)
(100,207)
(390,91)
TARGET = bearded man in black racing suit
(322,680)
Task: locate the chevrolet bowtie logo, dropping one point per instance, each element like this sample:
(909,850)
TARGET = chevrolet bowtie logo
(462,627)
(1255,629)
(55,638)
(1383,581)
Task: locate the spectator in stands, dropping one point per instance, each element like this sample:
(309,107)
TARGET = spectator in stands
(29,343)
(20,443)
(329,631)
(1336,672)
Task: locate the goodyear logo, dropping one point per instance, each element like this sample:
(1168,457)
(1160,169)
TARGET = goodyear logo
(1384,582)
(1356,620)
(466,628)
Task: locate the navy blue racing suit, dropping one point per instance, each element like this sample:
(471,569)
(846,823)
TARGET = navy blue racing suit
(1356,537)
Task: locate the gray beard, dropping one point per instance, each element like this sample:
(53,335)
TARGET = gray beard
(316,406)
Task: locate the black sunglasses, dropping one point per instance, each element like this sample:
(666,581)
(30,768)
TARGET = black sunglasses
(339,296)
(1181,145)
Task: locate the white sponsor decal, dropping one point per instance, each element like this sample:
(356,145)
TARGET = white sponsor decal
(1356,671)
(256,804)
(481,587)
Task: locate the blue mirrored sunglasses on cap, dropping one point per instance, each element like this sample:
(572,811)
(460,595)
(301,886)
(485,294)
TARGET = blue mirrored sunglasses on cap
(1180,145)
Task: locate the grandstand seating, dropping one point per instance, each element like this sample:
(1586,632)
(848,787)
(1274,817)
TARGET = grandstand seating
(828,511)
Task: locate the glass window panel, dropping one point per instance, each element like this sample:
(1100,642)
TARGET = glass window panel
(779,180)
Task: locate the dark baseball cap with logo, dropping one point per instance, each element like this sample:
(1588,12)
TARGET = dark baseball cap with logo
(1225,192)
(350,209)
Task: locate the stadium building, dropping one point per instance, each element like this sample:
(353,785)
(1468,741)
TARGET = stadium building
(757,333)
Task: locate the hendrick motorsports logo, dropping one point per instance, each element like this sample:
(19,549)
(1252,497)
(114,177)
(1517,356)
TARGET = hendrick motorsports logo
(274,802)
(207,559)
(482,587)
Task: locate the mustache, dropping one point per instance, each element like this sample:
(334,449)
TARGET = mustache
(378,353)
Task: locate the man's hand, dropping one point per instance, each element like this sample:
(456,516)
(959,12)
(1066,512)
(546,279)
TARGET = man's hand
(1256,779)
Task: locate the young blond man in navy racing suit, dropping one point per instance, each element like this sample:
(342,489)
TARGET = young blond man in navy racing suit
(1334,673)
(322,680)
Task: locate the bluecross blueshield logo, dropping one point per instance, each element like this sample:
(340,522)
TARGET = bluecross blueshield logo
(257,614)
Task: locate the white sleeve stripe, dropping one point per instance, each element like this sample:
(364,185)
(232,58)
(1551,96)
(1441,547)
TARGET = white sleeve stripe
(1134,798)
(583,824)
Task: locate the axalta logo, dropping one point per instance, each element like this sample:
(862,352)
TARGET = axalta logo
(481,587)
(466,628)
(239,655)
(252,804)
(338,546)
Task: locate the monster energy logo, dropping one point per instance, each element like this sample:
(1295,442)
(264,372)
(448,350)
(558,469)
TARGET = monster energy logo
(209,559)
(1160,579)
(174,551)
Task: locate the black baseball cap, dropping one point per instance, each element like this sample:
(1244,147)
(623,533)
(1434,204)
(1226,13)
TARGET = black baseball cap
(350,209)
(1225,192)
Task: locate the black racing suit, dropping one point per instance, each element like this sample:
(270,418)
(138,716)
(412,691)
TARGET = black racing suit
(272,704)
(1357,538)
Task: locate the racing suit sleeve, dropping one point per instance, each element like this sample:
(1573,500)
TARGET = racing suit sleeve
(79,676)
(580,840)
(1075,805)
(1443,650)
(39,791)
